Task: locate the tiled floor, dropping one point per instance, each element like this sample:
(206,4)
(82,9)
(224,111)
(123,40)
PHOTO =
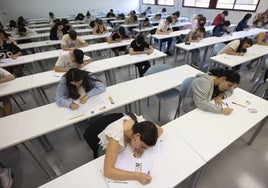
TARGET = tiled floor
(238,166)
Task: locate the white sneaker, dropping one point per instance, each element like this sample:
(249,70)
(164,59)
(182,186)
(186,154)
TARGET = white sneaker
(6,179)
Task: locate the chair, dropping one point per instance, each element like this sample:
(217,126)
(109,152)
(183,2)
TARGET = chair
(184,88)
(96,126)
(171,93)
(217,47)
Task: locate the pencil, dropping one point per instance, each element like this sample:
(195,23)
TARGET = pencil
(76,116)
(239,104)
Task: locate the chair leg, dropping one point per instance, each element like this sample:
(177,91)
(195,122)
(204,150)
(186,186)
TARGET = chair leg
(159,110)
(77,131)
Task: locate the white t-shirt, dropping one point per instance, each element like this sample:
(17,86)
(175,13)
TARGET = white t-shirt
(65,61)
(3,73)
(115,131)
(163,27)
(67,41)
(234,45)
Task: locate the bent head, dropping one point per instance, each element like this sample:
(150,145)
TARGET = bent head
(144,135)
(225,78)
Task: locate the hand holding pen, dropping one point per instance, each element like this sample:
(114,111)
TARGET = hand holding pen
(144,178)
(226,111)
(74,106)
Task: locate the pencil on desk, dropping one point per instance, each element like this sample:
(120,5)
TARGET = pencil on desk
(76,116)
(239,104)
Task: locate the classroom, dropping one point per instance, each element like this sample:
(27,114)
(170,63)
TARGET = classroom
(83,72)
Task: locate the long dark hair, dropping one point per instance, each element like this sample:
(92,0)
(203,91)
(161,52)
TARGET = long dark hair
(231,75)
(6,35)
(147,130)
(242,42)
(76,75)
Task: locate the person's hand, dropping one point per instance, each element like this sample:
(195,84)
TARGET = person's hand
(74,106)
(144,178)
(83,99)
(241,54)
(218,101)
(137,153)
(14,56)
(226,111)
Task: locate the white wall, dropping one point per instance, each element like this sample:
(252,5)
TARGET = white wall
(234,16)
(41,8)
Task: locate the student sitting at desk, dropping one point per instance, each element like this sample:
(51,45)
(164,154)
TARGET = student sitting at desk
(7,37)
(217,85)
(164,28)
(220,18)
(6,110)
(73,59)
(110,14)
(221,29)
(57,31)
(243,24)
(138,46)
(237,47)
(100,29)
(195,36)
(66,25)
(71,41)
(87,19)
(118,131)
(10,50)
(79,85)
(262,38)
(117,36)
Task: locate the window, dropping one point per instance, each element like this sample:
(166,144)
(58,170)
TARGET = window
(249,5)
(159,2)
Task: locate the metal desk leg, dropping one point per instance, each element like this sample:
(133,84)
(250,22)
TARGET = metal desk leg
(258,68)
(195,177)
(205,54)
(255,134)
(187,57)
(176,54)
(28,149)
(164,60)
(107,77)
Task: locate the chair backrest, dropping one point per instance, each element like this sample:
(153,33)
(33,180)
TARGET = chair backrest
(185,86)
(157,68)
(217,47)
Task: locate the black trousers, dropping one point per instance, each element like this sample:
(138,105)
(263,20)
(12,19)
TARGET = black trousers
(96,127)
(143,67)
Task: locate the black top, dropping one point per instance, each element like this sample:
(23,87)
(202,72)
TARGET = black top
(108,15)
(8,49)
(139,48)
(115,35)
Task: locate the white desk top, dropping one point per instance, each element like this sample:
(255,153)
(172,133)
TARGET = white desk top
(253,52)
(47,29)
(173,161)
(40,121)
(161,81)
(55,53)
(209,133)
(51,77)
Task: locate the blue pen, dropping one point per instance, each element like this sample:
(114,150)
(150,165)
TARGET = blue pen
(227,105)
(148,172)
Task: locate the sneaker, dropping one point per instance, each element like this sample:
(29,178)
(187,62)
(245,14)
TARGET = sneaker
(195,66)
(168,53)
(6,179)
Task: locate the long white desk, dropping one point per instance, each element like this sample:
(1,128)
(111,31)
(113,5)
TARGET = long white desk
(212,133)
(8,62)
(173,161)
(206,42)
(254,52)
(48,118)
(47,29)
(40,44)
(51,77)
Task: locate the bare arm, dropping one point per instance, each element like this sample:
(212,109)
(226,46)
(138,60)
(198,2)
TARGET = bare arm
(231,51)
(7,78)
(14,56)
(110,171)
(261,38)
(110,40)
(60,69)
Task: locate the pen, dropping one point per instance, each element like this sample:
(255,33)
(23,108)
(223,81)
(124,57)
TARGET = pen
(76,116)
(148,172)
(227,105)
(239,104)
(117,182)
